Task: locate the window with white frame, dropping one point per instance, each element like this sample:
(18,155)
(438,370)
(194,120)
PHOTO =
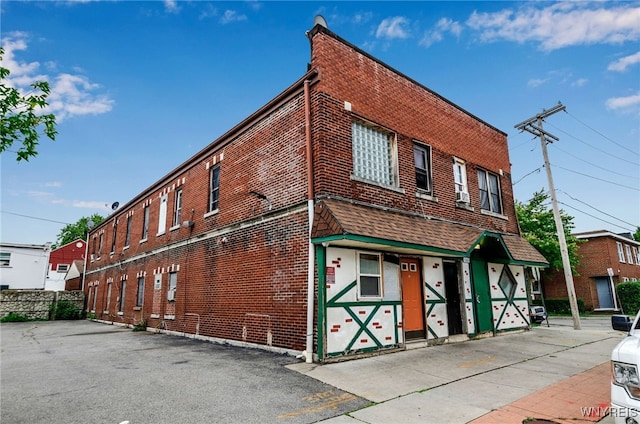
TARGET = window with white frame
(489,185)
(62,268)
(5,258)
(460,180)
(173,283)
(115,233)
(108,295)
(214,186)
(127,239)
(162,215)
(620,251)
(369,276)
(422,159)
(95,298)
(636,254)
(177,208)
(145,223)
(374,157)
(140,296)
(627,248)
(101,238)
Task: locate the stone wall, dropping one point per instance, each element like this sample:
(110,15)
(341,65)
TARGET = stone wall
(35,303)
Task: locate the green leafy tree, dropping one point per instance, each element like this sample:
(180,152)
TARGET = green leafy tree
(79,230)
(19,120)
(636,235)
(537,226)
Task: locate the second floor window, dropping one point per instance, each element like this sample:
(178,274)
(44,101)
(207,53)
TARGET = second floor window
(489,184)
(460,180)
(177,208)
(373,154)
(162,215)
(101,237)
(620,251)
(145,223)
(127,239)
(422,159)
(115,233)
(629,257)
(214,185)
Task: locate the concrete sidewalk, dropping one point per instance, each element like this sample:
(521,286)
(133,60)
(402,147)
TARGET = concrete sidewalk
(549,373)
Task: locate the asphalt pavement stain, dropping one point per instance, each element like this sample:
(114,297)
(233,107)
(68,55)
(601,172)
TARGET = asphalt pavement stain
(321,401)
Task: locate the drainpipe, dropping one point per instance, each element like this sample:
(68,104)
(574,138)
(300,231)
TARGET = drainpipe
(310,194)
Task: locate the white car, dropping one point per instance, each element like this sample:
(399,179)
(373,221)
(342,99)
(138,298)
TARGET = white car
(625,382)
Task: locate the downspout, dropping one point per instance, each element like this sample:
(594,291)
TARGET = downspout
(310,195)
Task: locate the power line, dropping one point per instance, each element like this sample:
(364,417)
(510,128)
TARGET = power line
(35,217)
(526,175)
(592,164)
(604,136)
(595,217)
(594,147)
(595,178)
(593,207)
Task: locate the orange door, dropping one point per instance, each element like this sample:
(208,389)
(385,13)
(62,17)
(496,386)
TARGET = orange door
(412,301)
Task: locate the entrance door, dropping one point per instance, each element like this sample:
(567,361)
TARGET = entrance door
(482,296)
(605,297)
(452,290)
(412,299)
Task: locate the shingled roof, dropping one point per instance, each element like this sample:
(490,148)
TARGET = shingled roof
(335,218)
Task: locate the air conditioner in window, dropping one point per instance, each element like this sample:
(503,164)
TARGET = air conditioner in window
(171,295)
(462,196)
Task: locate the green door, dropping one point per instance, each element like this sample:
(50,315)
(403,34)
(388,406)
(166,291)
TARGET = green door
(482,296)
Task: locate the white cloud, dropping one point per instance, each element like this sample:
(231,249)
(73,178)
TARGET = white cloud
(90,205)
(71,94)
(392,28)
(232,16)
(436,34)
(53,184)
(208,11)
(580,82)
(615,103)
(171,6)
(622,64)
(561,24)
(536,82)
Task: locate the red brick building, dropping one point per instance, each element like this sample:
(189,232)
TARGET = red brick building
(355,211)
(606,259)
(60,261)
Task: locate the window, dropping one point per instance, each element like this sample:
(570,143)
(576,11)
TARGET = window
(507,283)
(95,298)
(629,257)
(108,295)
(145,223)
(62,268)
(173,282)
(214,185)
(637,255)
(140,297)
(115,233)
(177,208)
(123,289)
(422,159)
(489,184)
(620,252)
(162,216)
(5,258)
(93,247)
(100,244)
(369,275)
(128,237)
(373,154)
(460,179)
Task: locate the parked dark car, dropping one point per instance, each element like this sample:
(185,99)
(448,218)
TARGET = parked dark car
(537,313)
(621,322)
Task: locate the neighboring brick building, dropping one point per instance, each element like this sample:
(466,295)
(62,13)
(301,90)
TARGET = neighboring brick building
(353,212)
(599,252)
(60,261)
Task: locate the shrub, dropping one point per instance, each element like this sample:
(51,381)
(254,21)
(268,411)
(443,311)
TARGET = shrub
(13,317)
(141,326)
(560,306)
(64,310)
(629,295)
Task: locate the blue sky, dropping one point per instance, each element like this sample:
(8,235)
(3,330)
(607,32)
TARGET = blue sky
(139,87)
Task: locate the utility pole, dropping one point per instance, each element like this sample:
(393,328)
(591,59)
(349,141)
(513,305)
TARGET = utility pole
(534,126)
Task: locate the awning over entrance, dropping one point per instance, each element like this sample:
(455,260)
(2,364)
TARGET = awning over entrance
(345,223)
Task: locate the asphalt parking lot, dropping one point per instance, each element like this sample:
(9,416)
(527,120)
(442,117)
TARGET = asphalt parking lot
(87,372)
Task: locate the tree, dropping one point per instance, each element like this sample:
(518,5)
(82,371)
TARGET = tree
(19,120)
(79,230)
(538,227)
(636,235)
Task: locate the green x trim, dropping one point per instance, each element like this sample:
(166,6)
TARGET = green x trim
(432,304)
(511,302)
(363,327)
(334,300)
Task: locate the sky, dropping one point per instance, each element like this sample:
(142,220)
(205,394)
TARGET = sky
(138,87)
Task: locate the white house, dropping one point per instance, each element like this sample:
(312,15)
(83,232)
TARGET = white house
(23,266)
